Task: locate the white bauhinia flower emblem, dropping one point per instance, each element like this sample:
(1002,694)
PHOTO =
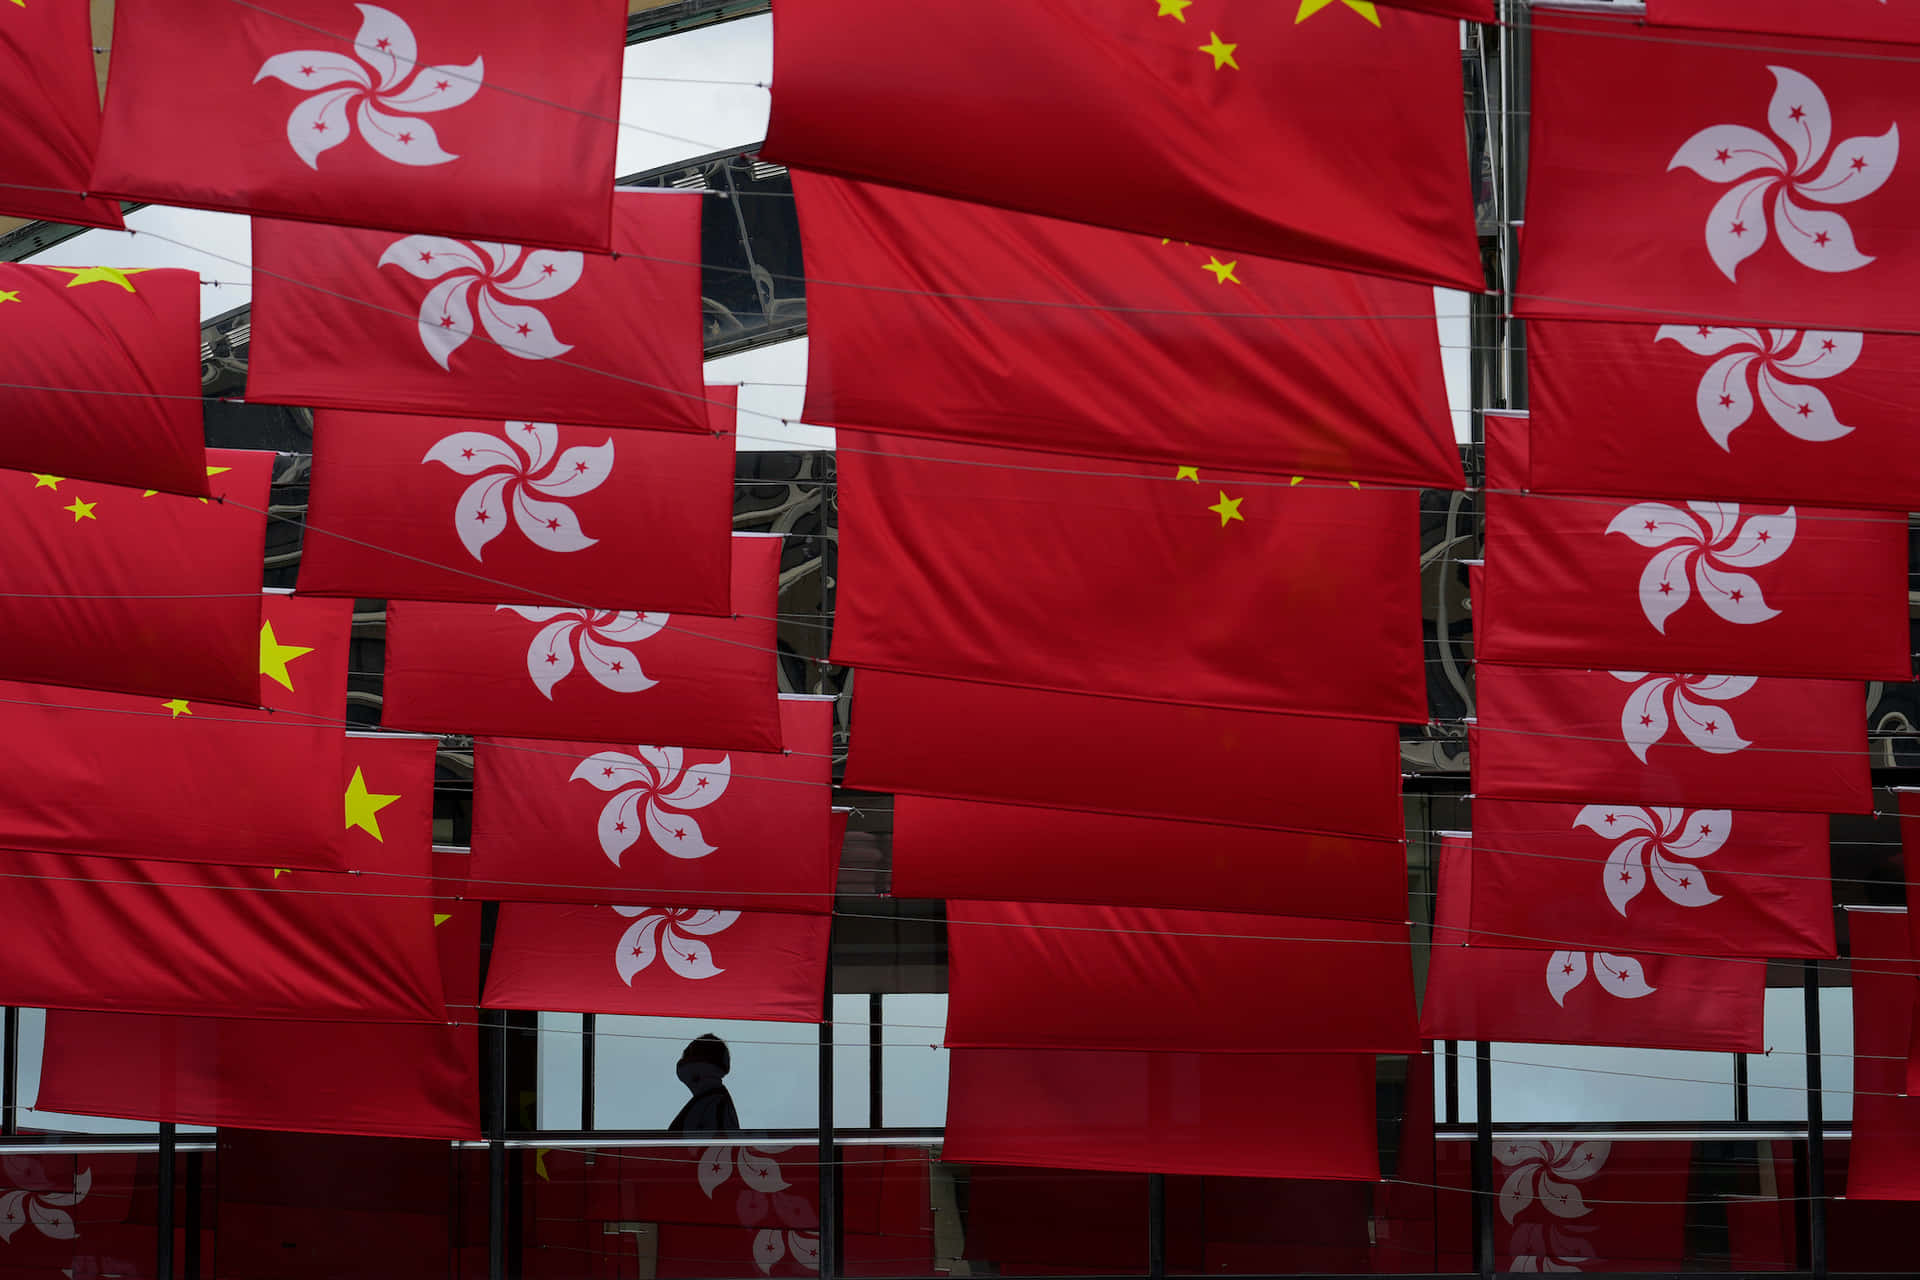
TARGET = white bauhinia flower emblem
(1711,540)
(655,787)
(674,933)
(33,1199)
(1547,1171)
(1545,1247)
(378,80)
(512,470)
(1753,358)
(762,1199)
(1659,702)
(1647,843)
(1620,976)
(503,279)
(597,636)
(1799,117)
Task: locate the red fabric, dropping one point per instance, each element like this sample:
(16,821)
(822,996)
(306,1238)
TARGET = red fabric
(1111,344)
(1465,10)
(850,104)
(1833,19)
(964,849)
(1578,582)
(685,962)
(347,319)
(1632,215)
(960,561)
(1725,882)
(87,568)
(1566,1205)
(46,52)
(574,822)
(331,118)
(1744,414)
(1253,1115)
(932,737)
(1740,741)
(1044,1221)
(1909,805)
(118,367)
(143,777)
(1066,977)
(1542,996)
(699,682)
(435,509)
(79,1216)
(1886,1127)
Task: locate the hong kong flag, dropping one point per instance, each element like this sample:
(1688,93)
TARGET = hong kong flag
(1256,603)
(470,117)
(1371,181)
(1723,179)
(934,737)
(1834,20)
(575,822)
(346,319)
(146,593)
(678,962)
(1886,993)
(594,675)
(1760,415)
(523,512)
(1544,996)
(1723,882)
(46,52)
(1184,356)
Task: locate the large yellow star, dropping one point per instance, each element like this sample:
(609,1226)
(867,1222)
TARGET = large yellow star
(1222,271)
(1188,473)
(275,656)
(179,708)
(1221,51)
(101,275)
(46,482)
(362,804)
(9,296)
(1362,7)
(81,510)
(1228,509)
(1173,9)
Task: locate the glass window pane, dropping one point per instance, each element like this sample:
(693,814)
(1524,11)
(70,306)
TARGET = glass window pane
(558,1047)
(773,1076)
(1537,1083)
(913,1066)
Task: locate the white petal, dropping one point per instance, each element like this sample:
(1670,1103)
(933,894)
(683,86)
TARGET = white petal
(500,255)
(1734,596)
(1708,728)
(1516,1193)
(311,69)
(1801,411)
(666,763)
(762,1173)
(612,771)
(1821,354)
(1565,971)
(805,1247)
(630,912)
(320,124)
(1626,873)
(615,668)
(1719,518)
(546,273)
(1643,721)
(706,921)
(385,43)
(620,823)
(716,1166)
(445,320)
(581,469)
(1719,688)
(471,452)
(430,257)
(1561,1199)
(677,835)
(689,957)
(481,514)
(1669,820)
(536,440)
(1817,238)
(1762,540)
(1580,1161)
(401,139)
(55,1224)
(1524,1263)
(1701,835)
(631,628)
(1628,677)
(437,88)
(1655,524)
(1663,585)
(637,948)
(1614,821)
(1745,151)
(1857,168)
(538,613)
(550,656)
(769,1247)
(13,1215)
(702,785)
(1798,114)
(1620,976)
(549,525)
(1737,226)
(1723,399)
(1682,884)
(1520,1151)
(1707,340)
(519,331)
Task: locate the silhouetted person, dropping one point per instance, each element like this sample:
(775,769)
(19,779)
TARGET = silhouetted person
(709,1112)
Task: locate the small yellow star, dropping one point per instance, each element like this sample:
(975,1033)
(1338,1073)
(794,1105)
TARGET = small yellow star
(6,296)
(101,275)
(1221,51)
(1188,473)
(179,708)
(1228,509)
(212,471)
(1222,271)
(46,482)
(362,804)
(81,510)
(275,656)
(280,871)
(440,918)
(1362,7)
(1176,9)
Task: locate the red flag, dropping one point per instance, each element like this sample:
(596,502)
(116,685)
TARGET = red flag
(348,319)
(1756,415)
(1305,1115)
(1371,182)
(104,366)
(1058,977)
(1886,1126)
(178,780)
(475,119)
(573,822)
(1567,1204)
(947,737)
(1174,348)
(1727,882)
(526,512)
(1465,10)
(683,962)
(1834,19)
(1740,741)
(1253,607)
(1702,586)
(963,849)
(1539,995)
(147,593)
(1743,182)
(46,53)
(594,675)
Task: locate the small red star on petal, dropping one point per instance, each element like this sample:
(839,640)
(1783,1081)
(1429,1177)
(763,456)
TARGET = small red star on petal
(306,71)
(1566,968)
(523,329)
(552,658)
(466,453)
(1739,228)
(1713,726)
(482,516)
(680,833)
(1797,113)
(1859,163)
(406,137)
(384,43)
(555,524)
(1722,155)
(1821,238)
(1735,594)
(607,772)
(319,126)
(579,466)
(1626,877)
(1647,720)
(1827,345)
(1726,402)
(1805,410)
(1705,829)
(441,85)
(1666,588)
(446,322)
(425,256)
(619,666)
(619,826)
(1764,535)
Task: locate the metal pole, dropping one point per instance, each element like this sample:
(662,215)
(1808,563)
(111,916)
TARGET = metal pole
(497,1151)
(10,1087)
(829,1150)
(163,1210)
(1156,1226)
(1483,1158)
(876,1116)
(586,1070)
(1816,1137)
(190,1264)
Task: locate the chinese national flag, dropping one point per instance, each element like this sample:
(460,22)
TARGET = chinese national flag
(1363,180)
(46,54)
(1539,995)
(1699,586)
(1873,20)
(104,366)
(1304,1115)
(931,737)
(1773,415)
(964,849)
(1178,355)
(469,117)
(677,962)
(144,593)
(1066,977)
(1739,180)
(346,319)
(521,512)
(1886,1127)
(176,779)
(1626,879)
(1214,589)
(594,675)
(575,822)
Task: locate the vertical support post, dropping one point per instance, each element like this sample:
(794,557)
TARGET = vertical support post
(1816,1136)
(1483,1158)
(497,1149)
(876,1115)
(587,1022)
(190,1217)
(1156,1226)
(829,1154)
(1741,1112)
(163,1208)
(10,1087)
